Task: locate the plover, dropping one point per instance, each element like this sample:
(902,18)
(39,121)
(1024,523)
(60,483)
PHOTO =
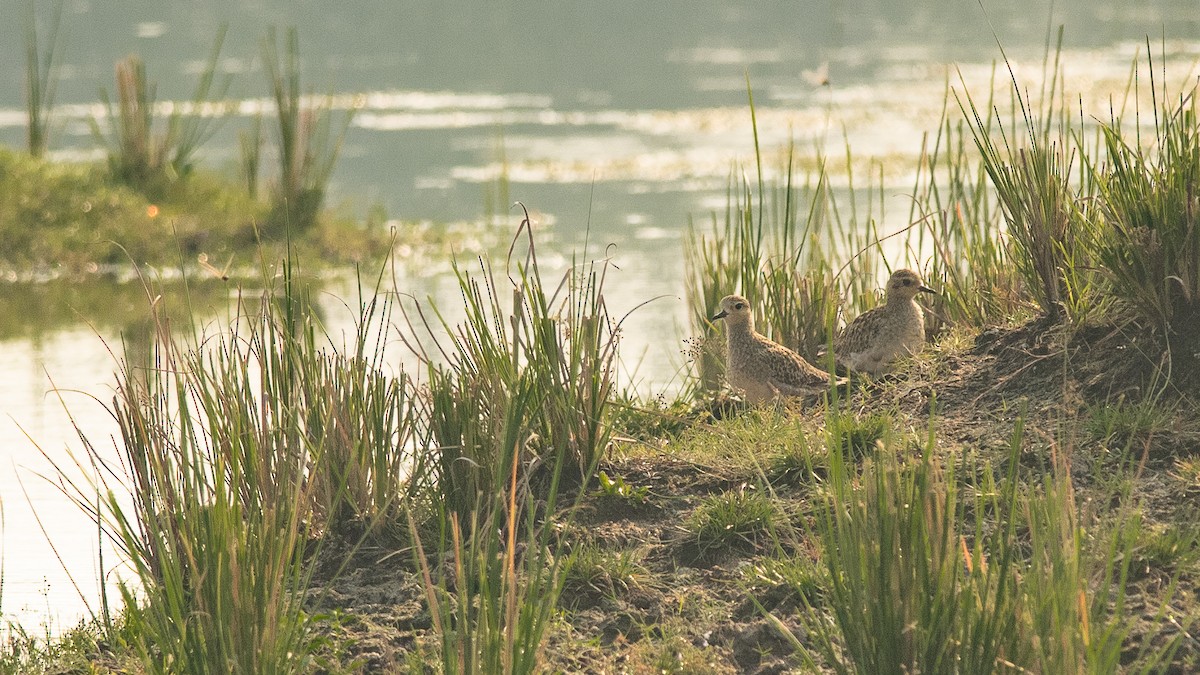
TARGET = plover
(760,367)
(897,328)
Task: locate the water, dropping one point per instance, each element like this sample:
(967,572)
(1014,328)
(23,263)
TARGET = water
(615,121)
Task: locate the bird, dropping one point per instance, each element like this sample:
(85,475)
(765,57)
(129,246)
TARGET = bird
(876,338)
(760,367)
(817,77)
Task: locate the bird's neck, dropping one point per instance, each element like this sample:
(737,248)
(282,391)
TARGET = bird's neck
(740,332)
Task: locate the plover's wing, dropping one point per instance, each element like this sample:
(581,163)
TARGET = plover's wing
(856,339)
(791,375)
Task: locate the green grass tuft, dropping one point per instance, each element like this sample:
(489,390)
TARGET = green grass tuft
(737,520)
(1149,240)
(592,569)
(41,80)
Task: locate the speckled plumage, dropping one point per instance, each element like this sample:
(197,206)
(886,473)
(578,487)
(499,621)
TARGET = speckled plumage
(897,328)
(760,367)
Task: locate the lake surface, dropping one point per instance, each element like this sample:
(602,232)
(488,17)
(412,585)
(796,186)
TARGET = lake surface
(614,121)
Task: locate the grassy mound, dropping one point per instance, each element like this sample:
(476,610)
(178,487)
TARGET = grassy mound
(73,219)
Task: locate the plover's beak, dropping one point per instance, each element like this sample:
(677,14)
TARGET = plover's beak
(719,315)
(925,289)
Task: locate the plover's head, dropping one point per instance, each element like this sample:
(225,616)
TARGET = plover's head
(735,310)
(905,284)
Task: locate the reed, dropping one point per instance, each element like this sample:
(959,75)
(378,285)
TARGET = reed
(250,146)
(960,231)
(554,342)
(212,512)
(1030,172)
(370,432)
(492,607)
(517,404)
(305,146)
(926,574)
(239,449)
(139,154)
(902,591)
(1149,239)
(41,79)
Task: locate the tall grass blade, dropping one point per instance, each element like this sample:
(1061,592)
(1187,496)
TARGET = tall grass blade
(41,79)
(306,149)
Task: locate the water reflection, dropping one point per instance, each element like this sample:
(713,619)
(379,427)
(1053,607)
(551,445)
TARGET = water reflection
(52,381)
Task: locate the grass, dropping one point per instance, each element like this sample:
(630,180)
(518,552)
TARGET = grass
(1150,228)
(71,220)
(675,654)
(151,160)
(801,573)
(796,465)
(41,79)
(304,146)
(592,570)
(25,652)
(1129,425)
(733,520)
(858,437)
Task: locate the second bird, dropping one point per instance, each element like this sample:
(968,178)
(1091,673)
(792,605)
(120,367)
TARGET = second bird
(763,368)
(897,328)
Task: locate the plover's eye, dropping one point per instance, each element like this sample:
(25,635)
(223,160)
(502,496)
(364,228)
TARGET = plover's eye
(738,306)
(907,282)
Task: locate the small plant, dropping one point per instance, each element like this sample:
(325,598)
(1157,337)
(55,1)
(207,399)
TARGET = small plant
(617,488)
(650,420)
(801,573)
(1047,225)
(151,160)
(305,148)
(798,463)
(1165,548)
(1129,425)
(676,654)
(734,520)
(858,437)
(1187,470)
(41,79)
(591,569)
(1149,243)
